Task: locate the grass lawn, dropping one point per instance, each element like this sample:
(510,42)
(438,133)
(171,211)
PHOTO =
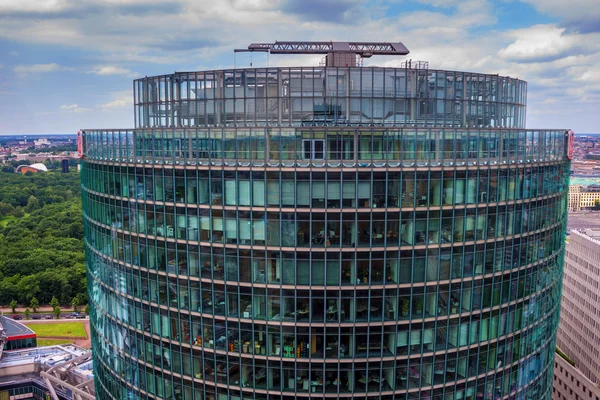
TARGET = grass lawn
(59,329)
(52,342)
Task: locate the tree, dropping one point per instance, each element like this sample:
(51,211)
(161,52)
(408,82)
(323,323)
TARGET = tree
(57,312)
(75,303)
(87,309)
(6,209)
(13,305)
(41,256)
(28,288)
(597,204)
(27,313)
(34,304)
(8,288)
(32,204)
(54,302)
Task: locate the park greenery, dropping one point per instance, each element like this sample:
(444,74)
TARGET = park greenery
(56,330)
(41,239)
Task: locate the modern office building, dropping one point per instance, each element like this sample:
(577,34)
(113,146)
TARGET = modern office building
(332,231)
(579,332)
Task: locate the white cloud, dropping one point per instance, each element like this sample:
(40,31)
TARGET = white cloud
(440,3)
(39,68)
(40,6)
(119,101)
(577,15)
(586,74)
(139,58)
(540,42)
(559,63)
(112,70)
(74,108)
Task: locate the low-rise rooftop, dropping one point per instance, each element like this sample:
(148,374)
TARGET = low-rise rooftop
(13,328)
(48,356)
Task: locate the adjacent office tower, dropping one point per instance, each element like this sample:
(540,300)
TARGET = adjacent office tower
(331,231)
(578,332)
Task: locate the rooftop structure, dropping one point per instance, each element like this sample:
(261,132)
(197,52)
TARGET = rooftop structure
(13,328)
(14,335)
(329,231)
(64,371)
(339,54)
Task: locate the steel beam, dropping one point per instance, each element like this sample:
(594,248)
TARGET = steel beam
(59,374)
(50,379)
(363,49)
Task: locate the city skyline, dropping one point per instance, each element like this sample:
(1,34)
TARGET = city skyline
(65,65)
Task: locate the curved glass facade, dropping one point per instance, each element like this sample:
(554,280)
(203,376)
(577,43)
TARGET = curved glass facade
(330,96)
(327,253)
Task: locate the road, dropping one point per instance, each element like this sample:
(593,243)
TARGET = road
(40,310)
(66,316)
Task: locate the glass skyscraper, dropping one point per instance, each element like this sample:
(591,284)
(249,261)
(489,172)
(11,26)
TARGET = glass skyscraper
(336,231)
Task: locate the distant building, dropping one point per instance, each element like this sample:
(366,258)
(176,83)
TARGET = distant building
(583,197)
(14,335)
(578,331)
(41,142)
(574,196)
(38,167)
(40,157)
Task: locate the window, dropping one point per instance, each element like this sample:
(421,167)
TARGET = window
(340,146)
(313,149)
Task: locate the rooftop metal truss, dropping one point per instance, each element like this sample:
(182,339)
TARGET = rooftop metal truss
(363,49)
(59,376)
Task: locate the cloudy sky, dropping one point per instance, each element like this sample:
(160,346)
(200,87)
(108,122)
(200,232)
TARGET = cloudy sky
(69,64)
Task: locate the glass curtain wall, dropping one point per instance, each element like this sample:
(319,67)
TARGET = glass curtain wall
(341,232)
